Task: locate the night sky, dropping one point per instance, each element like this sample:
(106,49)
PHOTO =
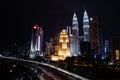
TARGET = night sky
(19,16)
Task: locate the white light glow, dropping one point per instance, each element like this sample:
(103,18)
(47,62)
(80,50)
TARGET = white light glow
(86,26)
(91,19)
(38,43)
(117,54)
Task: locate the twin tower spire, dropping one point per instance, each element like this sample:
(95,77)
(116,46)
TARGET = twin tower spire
(74,37)
(86,26)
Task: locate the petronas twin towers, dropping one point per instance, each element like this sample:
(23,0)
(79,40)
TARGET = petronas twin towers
(74,33)
(86,27)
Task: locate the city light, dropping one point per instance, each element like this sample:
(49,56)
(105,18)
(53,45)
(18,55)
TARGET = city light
(117,54)
(35,27)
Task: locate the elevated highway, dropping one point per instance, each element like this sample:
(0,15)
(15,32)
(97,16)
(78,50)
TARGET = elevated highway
(54,72)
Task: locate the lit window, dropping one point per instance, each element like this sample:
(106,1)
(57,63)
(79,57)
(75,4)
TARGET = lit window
(117,54)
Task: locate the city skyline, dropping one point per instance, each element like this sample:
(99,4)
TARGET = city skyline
(20,16)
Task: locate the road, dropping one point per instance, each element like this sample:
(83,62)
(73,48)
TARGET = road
(17,70)
(39,71)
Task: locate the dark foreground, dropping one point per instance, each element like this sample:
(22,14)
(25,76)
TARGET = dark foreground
(12,70)
(96,72)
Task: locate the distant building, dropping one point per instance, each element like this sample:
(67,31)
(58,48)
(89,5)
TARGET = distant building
(36,42)
(86,27)
(62,50)
(75,37)
(86,38)
(95,42)
(56,39)
(68,29)
(50,47)
(71,40)
(115,49)
(72,44)
(106,47)
(85,48)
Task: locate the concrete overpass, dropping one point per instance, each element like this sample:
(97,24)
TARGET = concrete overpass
(54,72)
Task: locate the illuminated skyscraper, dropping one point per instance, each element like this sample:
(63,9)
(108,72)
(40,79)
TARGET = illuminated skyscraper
(71,43)
(36,41)
(68,29)
(86,27)
(75,36)
(62,50)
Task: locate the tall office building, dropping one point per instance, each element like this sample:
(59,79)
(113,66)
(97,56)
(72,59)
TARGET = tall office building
(75,36)
(95,43)
(36,41)
(50,47)
(68,29)
(71,40)
(86,27)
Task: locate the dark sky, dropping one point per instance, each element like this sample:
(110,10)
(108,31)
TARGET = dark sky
(19,16)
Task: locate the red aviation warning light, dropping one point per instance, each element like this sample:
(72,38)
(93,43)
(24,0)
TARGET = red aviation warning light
(34,27)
